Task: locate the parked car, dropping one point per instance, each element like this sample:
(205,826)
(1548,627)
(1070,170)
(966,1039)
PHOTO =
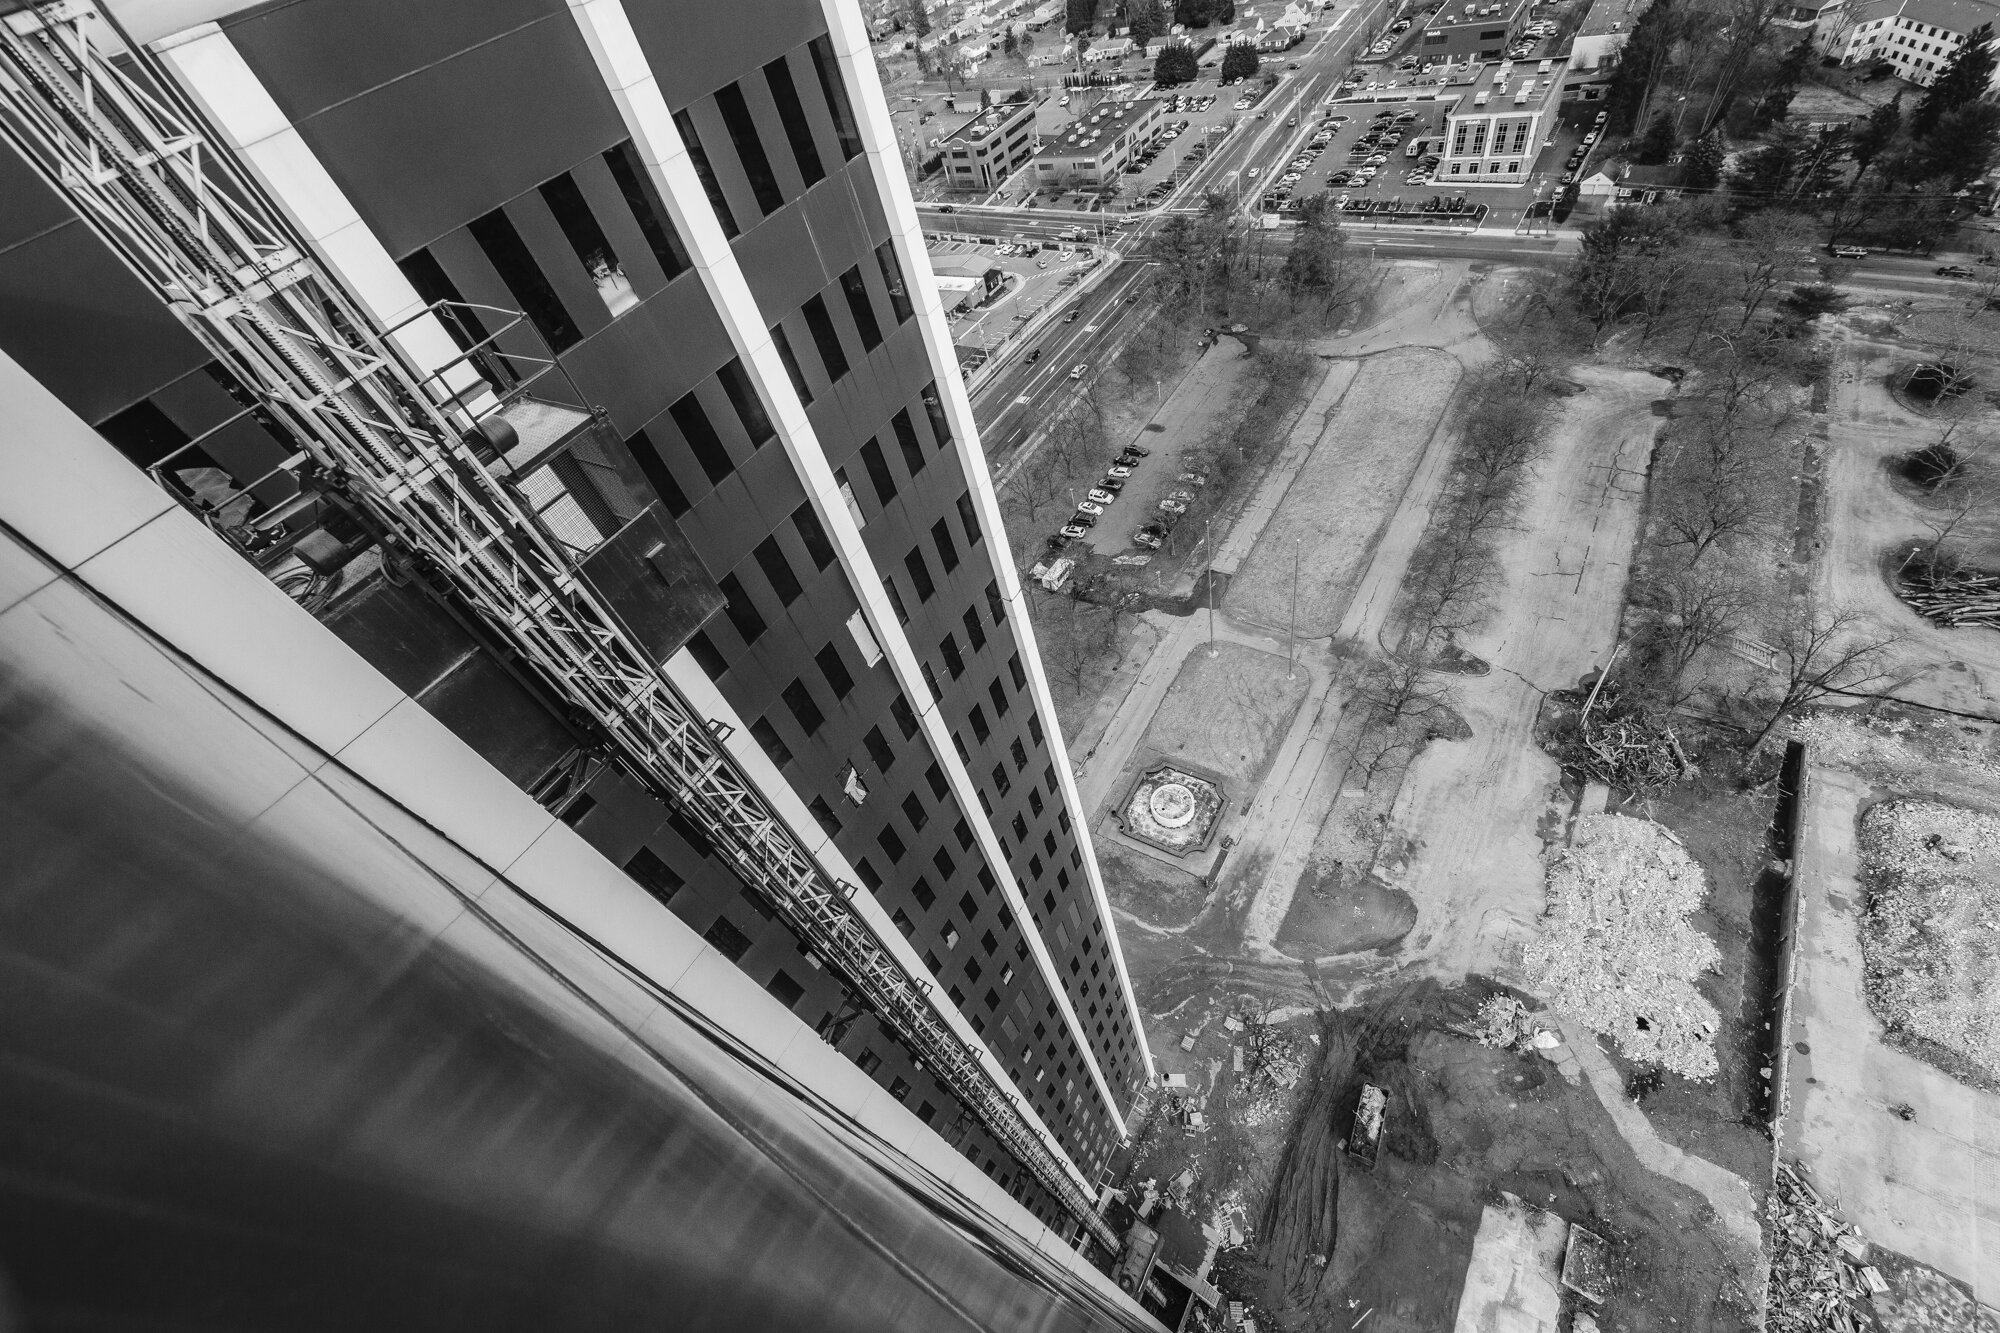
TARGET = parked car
(1100,497)
(1138,451)
(1078,371)
(1850,252)
(1081,519)
(1075,530)
(1194,478)
(1953,271)
(1072,317)
(1149,538)
(1172,506)
(1112,484)
(1033,356)
(1119,471)
(1057,542)
(1090,507)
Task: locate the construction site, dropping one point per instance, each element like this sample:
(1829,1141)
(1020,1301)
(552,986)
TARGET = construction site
(1497,997)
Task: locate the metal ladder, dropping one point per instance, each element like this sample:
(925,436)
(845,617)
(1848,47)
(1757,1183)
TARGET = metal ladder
(137,162)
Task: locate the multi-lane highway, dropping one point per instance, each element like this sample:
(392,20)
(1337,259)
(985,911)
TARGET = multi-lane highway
(1018,397)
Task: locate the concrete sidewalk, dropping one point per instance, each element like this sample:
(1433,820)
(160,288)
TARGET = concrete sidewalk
(1928,1187)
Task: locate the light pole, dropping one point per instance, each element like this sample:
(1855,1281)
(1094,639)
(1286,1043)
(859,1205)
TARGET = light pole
(1207,532)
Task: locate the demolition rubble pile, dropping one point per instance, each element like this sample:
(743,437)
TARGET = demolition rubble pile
(1820,1279)
(1933,875)
(1617,951)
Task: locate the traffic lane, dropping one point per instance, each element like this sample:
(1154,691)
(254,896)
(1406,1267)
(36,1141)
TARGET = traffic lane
(1061,345)
(1033,395)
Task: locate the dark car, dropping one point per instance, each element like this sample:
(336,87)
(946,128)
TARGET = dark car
(1953,271)
(1138,450)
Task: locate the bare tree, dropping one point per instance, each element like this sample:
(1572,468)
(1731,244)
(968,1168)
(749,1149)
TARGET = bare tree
(1713,489)
(1502,430)
(1402,705)
(1961,473)
(1700,606)
(1074,636)
(1830,653)
(1777,249)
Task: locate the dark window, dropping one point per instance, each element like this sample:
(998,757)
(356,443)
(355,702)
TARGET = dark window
(1001,782)
(749,148)
(974,631)
(896,600)
(1020,825)
(1020,754)
(459,320)
(791,359)
(994,606)
(1035,728)
(579,226)
(901,920)
(798,131)
(509,255)
(947,551)
(1014,669)
(835,93)
(1035,866)
(892,278)
(784,989)
(654,467)
(825,337)
(992,999)
(705,172)
(935,776)
(921,890)
(953,663)
(945,865)
(813,535)
(980,730)
(963,832)
(861,308)
(926,1113)
(707,655)
(913,810)
(892,843)
(867,873)
(959,745)
(868,1062)
(821,811)
(778,570)
(920,574)
(835,671)
(799,699)
(906,717)
(729,941)
(773,745)
(1049,775)
(988,943)
(906,438)
(743,397)
(899,1088)
(999,698)
(644,201)
(1035,804)
(968,519)
(653,875)
(702,440)
(878,749)
(973,971)
(741,610)
(878,471)
(934,408)
(930,680)
(969,906)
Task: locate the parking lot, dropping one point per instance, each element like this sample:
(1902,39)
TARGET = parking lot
(1035,279)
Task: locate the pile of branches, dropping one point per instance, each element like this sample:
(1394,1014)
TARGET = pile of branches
(1819,1283)
(1951,597)
(1626,746)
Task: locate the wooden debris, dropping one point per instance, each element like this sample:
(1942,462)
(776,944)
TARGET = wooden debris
(1952,599)
(1817,1286)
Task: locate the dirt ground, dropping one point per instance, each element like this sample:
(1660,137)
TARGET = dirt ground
(1464,1121)
(1342,909)
(1333,514)
(1867,516)
(1147,887)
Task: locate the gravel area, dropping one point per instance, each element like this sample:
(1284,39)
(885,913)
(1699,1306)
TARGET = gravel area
(1933,909)
(1336,508)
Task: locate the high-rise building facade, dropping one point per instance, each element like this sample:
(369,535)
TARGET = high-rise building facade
(658,266)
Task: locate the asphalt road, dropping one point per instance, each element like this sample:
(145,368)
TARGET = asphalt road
(1020,395)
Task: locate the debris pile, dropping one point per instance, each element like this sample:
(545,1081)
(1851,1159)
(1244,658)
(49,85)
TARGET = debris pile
(1630,750)
(1617,951)
(1820,1277)
(1933,916)
(1954,598)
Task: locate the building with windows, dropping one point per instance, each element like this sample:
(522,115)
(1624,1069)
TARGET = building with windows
(1463,30)
(990,147)
(536,444)
(1499,117)
(1916,37)
(1094,148)
(1606,27)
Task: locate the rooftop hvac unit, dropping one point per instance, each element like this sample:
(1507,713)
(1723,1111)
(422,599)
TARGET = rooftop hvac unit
(1479,98)
(1521,97)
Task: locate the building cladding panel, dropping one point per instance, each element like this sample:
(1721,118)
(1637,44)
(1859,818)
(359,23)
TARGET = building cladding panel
(479,144)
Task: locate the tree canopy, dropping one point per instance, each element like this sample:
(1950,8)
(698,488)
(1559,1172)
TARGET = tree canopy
(1965,78)
(1239,61)
(1175,64)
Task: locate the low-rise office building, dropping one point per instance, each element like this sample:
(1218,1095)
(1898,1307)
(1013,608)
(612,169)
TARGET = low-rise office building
(1095,148)
(1471,30)
(990,147)
(1603,33)
(965,282)
(1500,116)
(1916,37)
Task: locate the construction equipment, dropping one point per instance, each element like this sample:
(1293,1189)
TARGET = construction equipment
(420,459)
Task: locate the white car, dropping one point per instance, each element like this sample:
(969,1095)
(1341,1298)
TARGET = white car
(1086,507)
(1078,371)
(1100,496)
(1173,506)
(1118,470)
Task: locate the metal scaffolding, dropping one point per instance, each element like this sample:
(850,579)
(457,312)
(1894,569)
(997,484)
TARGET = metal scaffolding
(104,126)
